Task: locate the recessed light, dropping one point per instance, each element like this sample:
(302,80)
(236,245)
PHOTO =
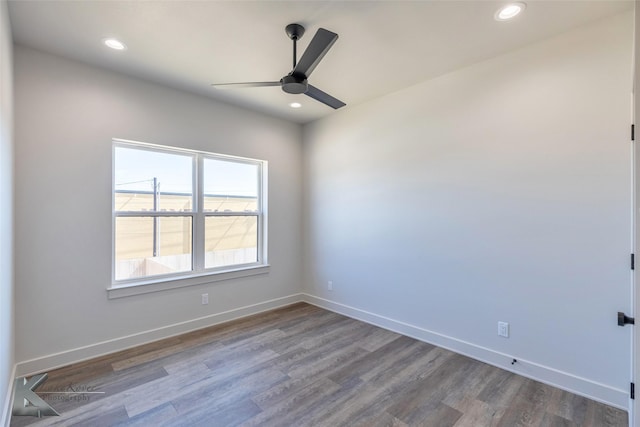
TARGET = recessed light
(509,11)
(114,44)
(295,105)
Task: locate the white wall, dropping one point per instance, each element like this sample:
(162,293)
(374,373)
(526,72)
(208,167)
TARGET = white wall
(497,192)
(6,212)
(66,114)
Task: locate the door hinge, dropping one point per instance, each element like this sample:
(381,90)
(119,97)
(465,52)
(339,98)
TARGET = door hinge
(632,391)
(633,132)
(633,261)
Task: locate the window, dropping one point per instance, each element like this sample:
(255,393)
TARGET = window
(180,213)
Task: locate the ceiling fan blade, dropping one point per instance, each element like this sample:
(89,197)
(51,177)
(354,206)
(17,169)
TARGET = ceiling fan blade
(244,85)
(324,97)
(317,49)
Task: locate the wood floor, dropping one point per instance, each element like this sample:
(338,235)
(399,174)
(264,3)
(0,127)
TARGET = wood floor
(304,366)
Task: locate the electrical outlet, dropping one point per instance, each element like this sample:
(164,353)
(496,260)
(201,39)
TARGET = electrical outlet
(503,329)
(205,299)
(330,285)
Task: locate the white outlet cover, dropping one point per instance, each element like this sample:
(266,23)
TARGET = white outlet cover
(503,329)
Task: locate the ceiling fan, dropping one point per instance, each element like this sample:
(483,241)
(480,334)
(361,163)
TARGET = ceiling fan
(296,81)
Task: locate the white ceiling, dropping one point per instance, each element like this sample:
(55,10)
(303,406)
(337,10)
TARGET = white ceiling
(384,46)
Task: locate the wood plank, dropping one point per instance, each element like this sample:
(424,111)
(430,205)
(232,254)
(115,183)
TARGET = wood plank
(208,392)
(501,389)
(152,417)
(419,398)
(551,420)
(467,390)
(528,409)
(383,420)
(395,354)
(158,392)
(364,400)
(379,338)
(289,409)
(568,406)
(477,413)
(441,416)
(231,413)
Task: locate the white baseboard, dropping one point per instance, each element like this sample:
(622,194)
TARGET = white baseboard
(563,380)
(57,360)
(7,408)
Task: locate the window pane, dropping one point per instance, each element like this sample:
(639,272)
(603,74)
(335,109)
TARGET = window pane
(152,181)
(230,186)
(139,254)
(230,240)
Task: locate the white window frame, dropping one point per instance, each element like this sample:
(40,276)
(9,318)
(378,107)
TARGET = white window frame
(198,274)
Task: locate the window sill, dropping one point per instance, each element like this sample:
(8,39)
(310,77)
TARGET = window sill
(148,286)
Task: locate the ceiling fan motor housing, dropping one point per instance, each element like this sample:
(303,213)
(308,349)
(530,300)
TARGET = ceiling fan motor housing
(294,85)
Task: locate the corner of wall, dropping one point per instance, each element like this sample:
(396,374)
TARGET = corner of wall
(7,343)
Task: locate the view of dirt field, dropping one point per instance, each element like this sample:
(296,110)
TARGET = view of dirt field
(229,240)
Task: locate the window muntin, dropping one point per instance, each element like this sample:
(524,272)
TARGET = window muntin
(179,212)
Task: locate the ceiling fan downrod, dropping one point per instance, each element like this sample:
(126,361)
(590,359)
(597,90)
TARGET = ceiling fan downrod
(295,32)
